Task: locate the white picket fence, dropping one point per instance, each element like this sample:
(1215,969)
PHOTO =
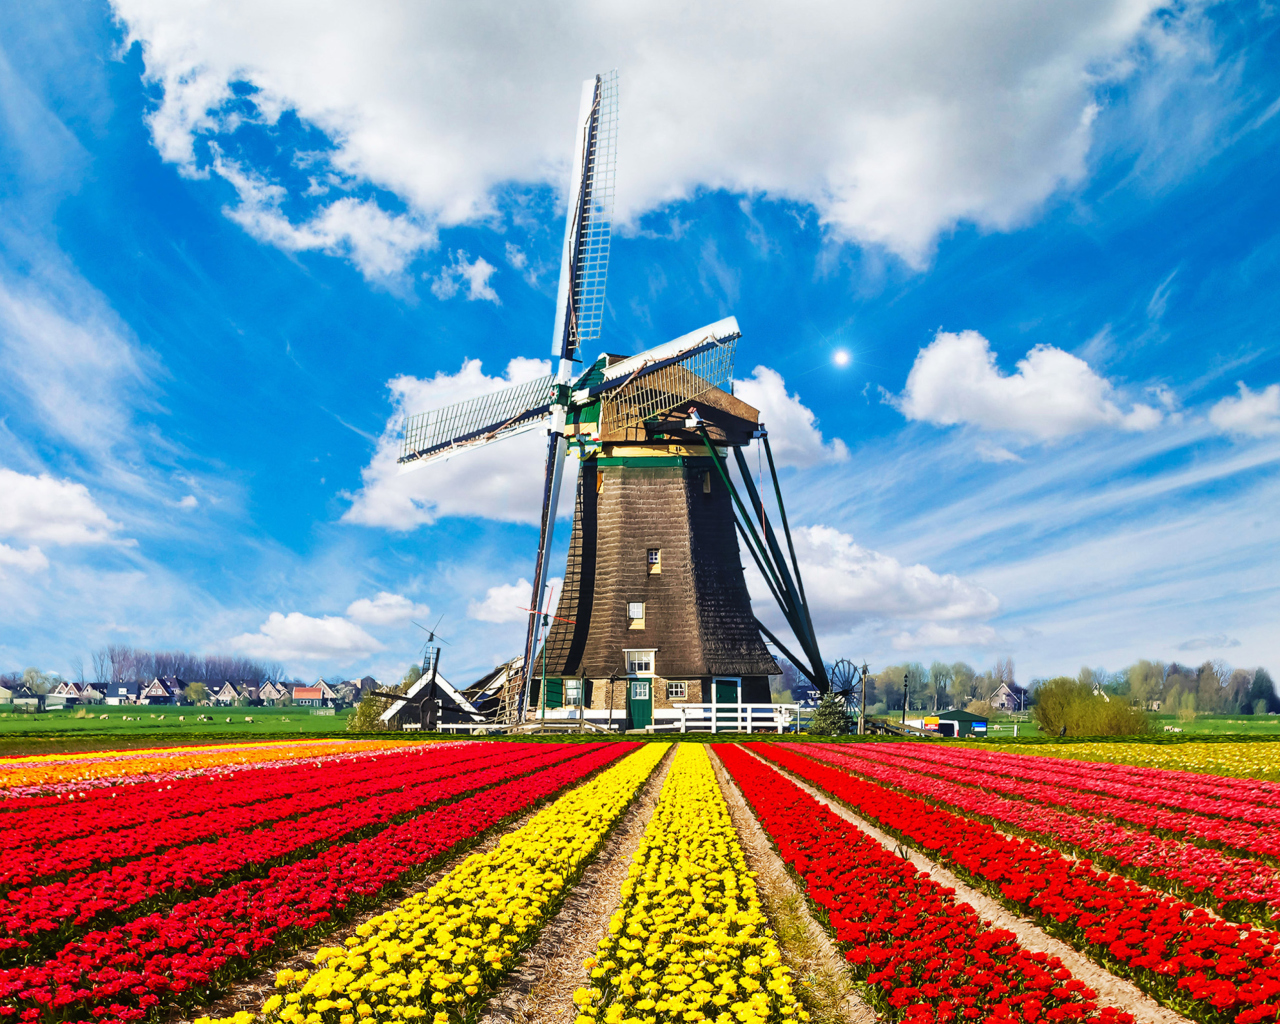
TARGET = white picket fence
(715,718)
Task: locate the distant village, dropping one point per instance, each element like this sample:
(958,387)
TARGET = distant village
(173,690)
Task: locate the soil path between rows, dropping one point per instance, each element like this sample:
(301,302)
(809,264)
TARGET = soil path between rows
(807,947)
(1111,990)
(540,989)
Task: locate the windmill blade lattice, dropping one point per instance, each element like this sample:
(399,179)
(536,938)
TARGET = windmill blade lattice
(477,421)
(591,258)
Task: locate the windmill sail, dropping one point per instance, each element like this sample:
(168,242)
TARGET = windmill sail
(439,433)
(579,305)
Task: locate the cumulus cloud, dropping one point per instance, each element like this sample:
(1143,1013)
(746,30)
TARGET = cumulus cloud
(386,609)
(1249,414)
(46,510)
(378,243)
(509,602)
(296,637)
(475,274)
(30,560)
(793,429)
(848,585)
(1052,394)
(896,120)
(501,481)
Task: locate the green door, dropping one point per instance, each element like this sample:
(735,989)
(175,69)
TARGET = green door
(726,692)
(640,703)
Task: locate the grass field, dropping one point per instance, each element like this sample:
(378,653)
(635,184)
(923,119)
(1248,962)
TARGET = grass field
(106,728)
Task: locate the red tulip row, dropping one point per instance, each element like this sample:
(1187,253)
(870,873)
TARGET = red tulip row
(338,785)
(42,822)
(1253,800)
(1237,887)
(922,956)
(1207,968)
(180,956)
(1225,833)
(39,920)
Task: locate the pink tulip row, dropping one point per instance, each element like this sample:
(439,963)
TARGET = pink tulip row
(1226,833)
(1237,887)
(1220,797)
(180,956)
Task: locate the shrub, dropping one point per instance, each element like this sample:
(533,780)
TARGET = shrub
(1067,707)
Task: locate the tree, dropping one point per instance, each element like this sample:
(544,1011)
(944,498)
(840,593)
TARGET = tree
(36,681)
(1263,689)
(962,680)
(830,718)
(940,677)
(196,692)
(1146,680)
(1236,692)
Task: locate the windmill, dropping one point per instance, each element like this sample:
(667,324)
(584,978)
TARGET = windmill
(651,431)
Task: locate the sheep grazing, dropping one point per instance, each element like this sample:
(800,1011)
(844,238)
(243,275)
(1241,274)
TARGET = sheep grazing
(228,718)
(102,716)
(248,719)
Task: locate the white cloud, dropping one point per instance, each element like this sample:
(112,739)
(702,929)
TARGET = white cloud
(44,509)
(31,560)
(793,429)
(897,120)
(475,274)
(509,602)
(989,452)
(501,481)
(1053,394)
(847,583)
(933,635)
(379,244)
(296,637)
(1251,414)
(386,610)
(188,503)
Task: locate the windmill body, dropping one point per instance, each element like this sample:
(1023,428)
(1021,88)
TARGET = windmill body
(654,610)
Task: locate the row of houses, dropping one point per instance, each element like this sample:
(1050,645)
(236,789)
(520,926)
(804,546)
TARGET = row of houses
(173,690)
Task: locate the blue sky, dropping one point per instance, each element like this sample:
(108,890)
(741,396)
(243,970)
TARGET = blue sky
(237,244)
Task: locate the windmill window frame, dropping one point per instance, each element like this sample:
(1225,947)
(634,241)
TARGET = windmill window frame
(640,661)
(635,615)
(677,689)
(654,561)
(573,692)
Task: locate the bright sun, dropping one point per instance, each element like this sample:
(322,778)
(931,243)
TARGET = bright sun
(841,357)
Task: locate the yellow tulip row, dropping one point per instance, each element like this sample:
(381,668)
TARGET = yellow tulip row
(690,942)
(54,769)
(1243,760)
(440,954)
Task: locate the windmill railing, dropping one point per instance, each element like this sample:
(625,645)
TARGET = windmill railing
(755,717)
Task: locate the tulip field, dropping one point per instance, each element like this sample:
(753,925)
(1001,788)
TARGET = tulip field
(353,882)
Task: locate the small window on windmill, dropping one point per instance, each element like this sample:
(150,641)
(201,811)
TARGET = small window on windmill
(655,561)
(706,481)
(639,663)
(635,615)
(677,689)
(573,691)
